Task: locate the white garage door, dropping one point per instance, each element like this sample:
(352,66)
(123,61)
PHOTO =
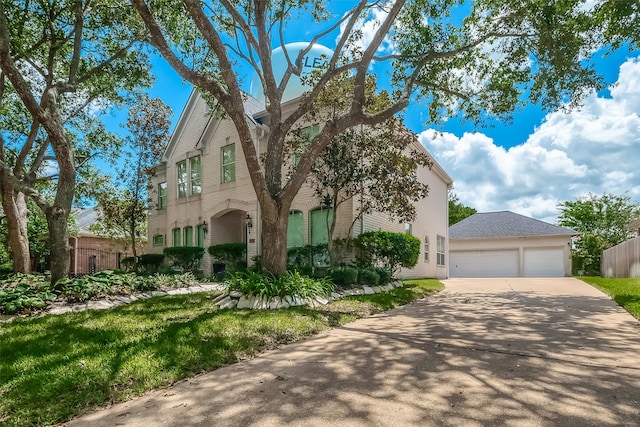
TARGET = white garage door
(544,262)
(484,264)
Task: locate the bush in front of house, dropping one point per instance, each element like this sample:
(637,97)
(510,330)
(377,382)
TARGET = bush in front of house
(185,257)
(392,250)
(292,283)
(150,263)
(368,277)
(344,276)
(232,255)
(383,274)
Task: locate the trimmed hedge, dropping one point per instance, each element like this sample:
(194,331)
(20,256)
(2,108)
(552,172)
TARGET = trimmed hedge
(369,277)
(150,263)
(232,255)
(344,276)
(186,257)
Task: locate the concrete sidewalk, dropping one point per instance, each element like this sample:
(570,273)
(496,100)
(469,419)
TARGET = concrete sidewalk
(521,352)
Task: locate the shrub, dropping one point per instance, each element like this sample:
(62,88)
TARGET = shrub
(24,292)
(150,263)
(128,263)
(368,276)
(307,258)
(186,257)
(267,286)
(344,276)
(383,274)
(392,250)
(233,255)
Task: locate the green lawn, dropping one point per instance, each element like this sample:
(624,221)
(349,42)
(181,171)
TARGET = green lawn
(55,367)
(625,292)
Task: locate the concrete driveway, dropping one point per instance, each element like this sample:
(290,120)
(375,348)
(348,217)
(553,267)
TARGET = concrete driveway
(514,352)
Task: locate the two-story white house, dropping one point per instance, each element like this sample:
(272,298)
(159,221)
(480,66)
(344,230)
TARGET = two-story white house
(202,195)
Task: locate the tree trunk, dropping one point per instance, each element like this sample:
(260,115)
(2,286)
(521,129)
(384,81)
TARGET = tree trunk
(274,234)
(15,209)
(59,242)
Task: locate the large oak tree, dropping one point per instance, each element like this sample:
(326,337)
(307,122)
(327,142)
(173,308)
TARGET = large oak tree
(473,59)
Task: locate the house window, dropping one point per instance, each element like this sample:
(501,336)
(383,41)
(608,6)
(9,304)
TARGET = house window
(195,166)
(181,179)
(426,248)
(188,236)
(320,220)
(407,228)
(228,163)
(162,195)
(176,237)
(200,235)
(307,134)
(295,230)
(440,254)
(158,240)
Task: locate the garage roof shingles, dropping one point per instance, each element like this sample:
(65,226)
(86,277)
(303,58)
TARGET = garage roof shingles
(504,224)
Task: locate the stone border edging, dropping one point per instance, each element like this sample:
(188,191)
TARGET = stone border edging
(233,300)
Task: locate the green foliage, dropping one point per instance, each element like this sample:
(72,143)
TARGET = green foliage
(103,283)
(233,255)
(602,221)
(458,211)
(626,291)
(307,258)
(128,263)
(344,276)
(150,263)
(384,275)
(393,250)
(368,276)
(268,286)
(24,292)
(186,257)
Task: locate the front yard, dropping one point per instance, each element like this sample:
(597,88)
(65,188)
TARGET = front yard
(55,367)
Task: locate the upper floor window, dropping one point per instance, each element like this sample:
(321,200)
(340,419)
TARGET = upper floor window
(440,254)
(195,167)
(307,135)
(426,248)
(181,179)
(162,195)
(228,163)
(408,228)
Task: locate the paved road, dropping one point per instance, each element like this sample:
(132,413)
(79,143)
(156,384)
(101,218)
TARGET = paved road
(513,352)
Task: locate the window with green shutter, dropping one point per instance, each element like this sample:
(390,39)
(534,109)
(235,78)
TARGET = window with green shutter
(295,229)
(188,236)
(320,220)
(176,237)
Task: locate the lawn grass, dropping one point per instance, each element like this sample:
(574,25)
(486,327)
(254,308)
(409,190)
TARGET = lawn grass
(55,367)
(626,292)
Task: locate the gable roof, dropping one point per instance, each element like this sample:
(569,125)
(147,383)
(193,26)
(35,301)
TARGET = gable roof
(504,224)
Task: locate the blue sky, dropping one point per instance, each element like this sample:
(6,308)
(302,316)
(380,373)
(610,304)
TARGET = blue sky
(531,164)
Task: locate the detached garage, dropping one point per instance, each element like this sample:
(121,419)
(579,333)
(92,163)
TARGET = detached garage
(506,244)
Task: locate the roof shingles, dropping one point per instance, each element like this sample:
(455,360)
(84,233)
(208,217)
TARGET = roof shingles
(504,224)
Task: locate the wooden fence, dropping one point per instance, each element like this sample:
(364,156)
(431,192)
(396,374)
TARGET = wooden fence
(622,260)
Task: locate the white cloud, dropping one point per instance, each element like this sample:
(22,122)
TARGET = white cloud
(367,29)
(593,150)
